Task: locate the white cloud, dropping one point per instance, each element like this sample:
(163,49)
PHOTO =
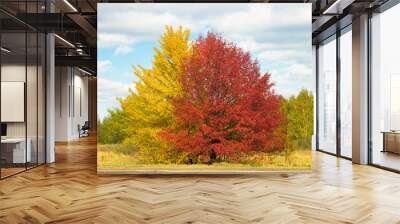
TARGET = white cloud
(290,80)
(113,39)
(104,66)
(280,55)
(108,93)
(256,18)
(122,50)
(149,22)
(299,69)
(109,90)
(239,18)
(119,23)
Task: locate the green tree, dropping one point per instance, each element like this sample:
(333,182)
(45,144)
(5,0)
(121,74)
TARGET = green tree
(111,129)
(299,120)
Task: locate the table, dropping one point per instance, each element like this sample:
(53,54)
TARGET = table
(391,141)
(13,150)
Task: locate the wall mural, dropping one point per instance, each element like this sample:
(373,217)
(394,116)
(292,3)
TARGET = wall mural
(204,87)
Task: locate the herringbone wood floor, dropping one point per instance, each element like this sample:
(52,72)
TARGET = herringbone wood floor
(69,191)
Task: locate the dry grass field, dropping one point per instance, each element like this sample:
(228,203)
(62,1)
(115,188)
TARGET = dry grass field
(121,157)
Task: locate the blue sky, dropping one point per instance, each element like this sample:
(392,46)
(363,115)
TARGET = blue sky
(277,35)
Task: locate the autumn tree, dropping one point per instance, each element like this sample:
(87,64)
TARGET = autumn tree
(149,108)
(227,106)
(299,114)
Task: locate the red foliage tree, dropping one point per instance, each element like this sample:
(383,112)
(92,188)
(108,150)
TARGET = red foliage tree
(227,105)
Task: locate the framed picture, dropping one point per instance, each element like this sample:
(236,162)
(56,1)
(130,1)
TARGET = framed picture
(204,88)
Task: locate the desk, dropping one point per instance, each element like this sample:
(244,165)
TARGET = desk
(391,141)
(17,150)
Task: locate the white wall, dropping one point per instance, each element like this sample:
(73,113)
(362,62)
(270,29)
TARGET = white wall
(62,82)
(80,109)
(71,102)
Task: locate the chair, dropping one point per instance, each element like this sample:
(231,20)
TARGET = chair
(84,130)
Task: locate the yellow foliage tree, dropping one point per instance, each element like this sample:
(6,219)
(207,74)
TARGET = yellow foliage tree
(149,108)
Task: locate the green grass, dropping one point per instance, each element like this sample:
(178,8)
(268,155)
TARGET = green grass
(123,157)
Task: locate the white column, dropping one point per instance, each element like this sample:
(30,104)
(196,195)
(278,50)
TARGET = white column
(50,99)
(360,90)
(50,92)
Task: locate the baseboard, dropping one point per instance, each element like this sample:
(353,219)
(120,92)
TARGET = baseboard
(200,172)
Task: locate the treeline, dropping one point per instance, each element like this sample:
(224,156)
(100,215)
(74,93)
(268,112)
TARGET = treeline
(203,102)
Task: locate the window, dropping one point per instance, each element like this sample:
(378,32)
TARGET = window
(22,77)
(327,96)
(346,93)
(385,89)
